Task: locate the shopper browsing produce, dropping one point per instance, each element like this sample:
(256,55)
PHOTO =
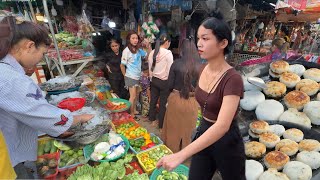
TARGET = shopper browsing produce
(218,143)
(131,60)
(160,61)
(113,61)
(182,109)
(23,109)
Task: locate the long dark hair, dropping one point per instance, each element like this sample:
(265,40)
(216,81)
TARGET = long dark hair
(220,29)
(162,39)
(116,40)
(13,31)
(191,61)
(130,46)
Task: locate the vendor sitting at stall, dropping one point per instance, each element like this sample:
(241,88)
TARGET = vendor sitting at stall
(23,108)
(279,51)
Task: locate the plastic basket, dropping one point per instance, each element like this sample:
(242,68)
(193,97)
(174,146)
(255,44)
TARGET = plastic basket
(60,169)
(152,135)
(139,157)
(181,169)
(72,104)
(127,103)
(44,140)
(88,150)
(64,174)
(55,156)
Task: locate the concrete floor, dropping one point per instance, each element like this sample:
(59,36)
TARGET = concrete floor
(151,129)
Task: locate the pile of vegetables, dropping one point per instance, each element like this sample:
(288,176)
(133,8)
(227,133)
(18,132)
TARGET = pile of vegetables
(65,39)
(165,175)
(110,171)
(131,131)
(47,166)
(67,54)
(144,143)
(71,157)
(120,116)
(46,148)
(150,158)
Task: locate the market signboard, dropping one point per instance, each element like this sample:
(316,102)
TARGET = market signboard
(166,5)
(297,4)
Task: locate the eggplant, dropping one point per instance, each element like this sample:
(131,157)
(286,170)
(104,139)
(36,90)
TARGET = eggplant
(44,170)
(52,163)
(41,162)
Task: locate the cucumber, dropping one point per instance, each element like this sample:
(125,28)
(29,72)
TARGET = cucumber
(183,177)
(40,149)
(47,147)
(71,161)
(53,149)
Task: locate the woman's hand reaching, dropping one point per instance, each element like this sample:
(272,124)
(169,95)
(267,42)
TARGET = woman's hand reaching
(170,162)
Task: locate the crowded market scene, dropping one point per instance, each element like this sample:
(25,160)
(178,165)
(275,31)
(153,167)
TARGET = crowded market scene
(160,89)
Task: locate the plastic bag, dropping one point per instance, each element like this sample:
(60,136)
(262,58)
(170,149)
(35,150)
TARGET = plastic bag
(84,24)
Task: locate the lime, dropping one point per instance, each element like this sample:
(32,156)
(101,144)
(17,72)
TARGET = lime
(75,155)
(61,145)
(80,153)
(69,152)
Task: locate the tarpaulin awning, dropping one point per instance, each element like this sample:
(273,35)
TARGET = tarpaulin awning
(282,16)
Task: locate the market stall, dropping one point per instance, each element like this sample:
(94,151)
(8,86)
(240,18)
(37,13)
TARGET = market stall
(270,108)
(112,145)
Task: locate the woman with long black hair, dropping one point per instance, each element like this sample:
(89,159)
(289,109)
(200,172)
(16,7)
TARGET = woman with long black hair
(160,61)
(113,61)
(182,109)
(218,144)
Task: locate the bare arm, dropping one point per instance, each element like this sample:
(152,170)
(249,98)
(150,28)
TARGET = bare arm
(214,133)
(123,69)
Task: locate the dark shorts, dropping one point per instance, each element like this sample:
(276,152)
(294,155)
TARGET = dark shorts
(129,82)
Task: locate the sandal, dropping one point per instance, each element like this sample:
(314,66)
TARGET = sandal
(136,118)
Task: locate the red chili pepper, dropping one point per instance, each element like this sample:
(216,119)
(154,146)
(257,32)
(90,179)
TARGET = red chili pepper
(151,145)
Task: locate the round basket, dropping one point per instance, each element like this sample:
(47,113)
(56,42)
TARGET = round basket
(88,150)
(181,169)
(72,104)
(127,103)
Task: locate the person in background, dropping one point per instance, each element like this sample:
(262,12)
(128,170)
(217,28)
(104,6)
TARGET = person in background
(218,144)
(132,57)
(182,109)
(160,61)
(6,169)
(145,92)
(298,40)
(279,49)
(23,109)
(285,35)
(278,52)
(293,38)
(307,42)
(113,61)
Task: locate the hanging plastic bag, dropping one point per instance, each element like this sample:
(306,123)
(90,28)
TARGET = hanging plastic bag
(85,24)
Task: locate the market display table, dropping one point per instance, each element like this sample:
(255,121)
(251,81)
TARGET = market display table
(53,63)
